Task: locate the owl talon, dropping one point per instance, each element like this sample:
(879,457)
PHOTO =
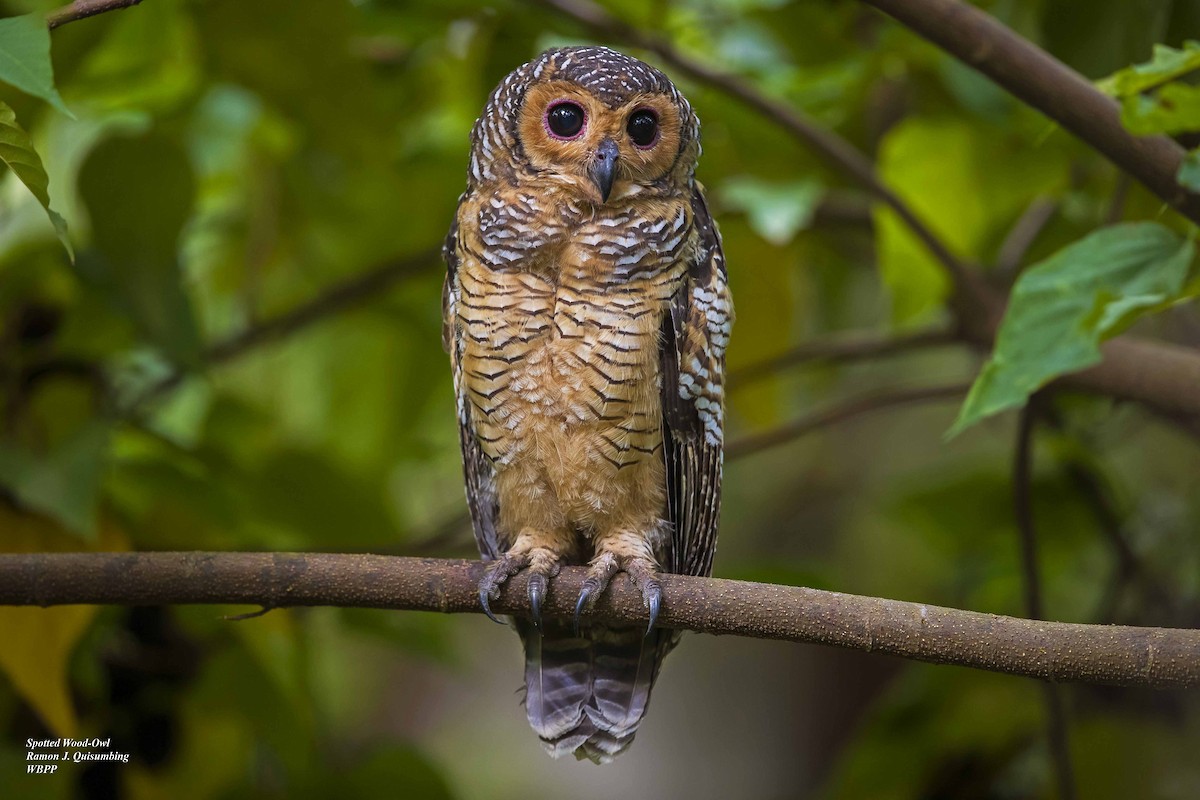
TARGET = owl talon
(652,595)
(590,587)
(537,590)
(497,574)
(483,601)
(641,571)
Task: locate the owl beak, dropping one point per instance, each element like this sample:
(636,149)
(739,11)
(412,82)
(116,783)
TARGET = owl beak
(604,168)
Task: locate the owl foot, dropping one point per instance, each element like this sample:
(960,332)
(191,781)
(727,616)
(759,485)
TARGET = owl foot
(542,564)
(642,571)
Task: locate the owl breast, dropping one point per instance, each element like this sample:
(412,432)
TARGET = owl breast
(560,309)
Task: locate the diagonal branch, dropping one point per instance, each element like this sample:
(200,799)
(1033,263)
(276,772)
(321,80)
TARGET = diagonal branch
(836,150)
(1058,651)
(81,9)
(1042,81)
(334,300)
(1011,256)
(849,348)
(749,445)
(1161,377)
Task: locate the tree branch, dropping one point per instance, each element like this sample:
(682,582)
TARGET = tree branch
(1016,244)
(1023,508)
(333,300)
(836,150)
(1059,651)
(1056,713)
(1162,377)
(849,348)
(82,9)
(749,445)
(1042,81)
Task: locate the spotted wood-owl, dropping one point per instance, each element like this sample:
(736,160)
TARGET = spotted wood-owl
(586,314)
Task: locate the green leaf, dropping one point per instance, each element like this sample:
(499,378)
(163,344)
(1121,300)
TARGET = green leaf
(16,150)
(1189,171)
(25,58)
(1175,108)
(777,212)
(64,483)
(1166,64)
(1062,308)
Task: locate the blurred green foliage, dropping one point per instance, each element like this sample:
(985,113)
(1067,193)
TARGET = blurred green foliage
(225,162)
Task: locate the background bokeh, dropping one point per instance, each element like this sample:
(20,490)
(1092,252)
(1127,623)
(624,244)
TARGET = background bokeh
(231,161)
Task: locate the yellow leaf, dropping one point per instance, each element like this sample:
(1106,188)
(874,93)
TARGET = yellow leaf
(38,641)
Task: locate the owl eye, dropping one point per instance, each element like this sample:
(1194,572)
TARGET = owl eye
(565,120)
(643,128)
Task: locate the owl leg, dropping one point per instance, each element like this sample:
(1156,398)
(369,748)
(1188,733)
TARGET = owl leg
(622,550)
(538,550)
(542,552)
(544,540)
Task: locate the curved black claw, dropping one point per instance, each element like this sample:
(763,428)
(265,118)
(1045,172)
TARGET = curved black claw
(497,573)
(487,609)
(590,587)
(537,590)
(652,594)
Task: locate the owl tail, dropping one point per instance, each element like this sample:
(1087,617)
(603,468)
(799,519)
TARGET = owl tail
(587,695)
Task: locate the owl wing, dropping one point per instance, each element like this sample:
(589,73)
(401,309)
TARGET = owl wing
(478,471)
(693,343)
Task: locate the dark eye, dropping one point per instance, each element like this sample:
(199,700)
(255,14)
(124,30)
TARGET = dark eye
(642,127)
(565,120)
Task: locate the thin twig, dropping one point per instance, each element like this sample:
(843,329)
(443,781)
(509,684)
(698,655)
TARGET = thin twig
(1095,490)
(1022,236)
(332,301)
(248,615)
(849,348)
(81,9)
(1057,651)
(1116,205)
(843,208)
(858,407)
(1023,506)
(1060,745)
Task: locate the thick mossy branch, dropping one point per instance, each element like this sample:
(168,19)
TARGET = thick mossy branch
(1108,654)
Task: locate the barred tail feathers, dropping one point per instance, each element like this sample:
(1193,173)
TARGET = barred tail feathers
(587,695)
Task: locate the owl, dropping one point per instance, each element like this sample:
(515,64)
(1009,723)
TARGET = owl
(586,315)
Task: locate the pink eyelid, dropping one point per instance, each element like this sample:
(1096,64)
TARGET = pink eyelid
(546,121)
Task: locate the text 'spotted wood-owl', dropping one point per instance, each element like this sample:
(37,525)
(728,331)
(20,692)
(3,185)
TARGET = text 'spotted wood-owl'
(586,314)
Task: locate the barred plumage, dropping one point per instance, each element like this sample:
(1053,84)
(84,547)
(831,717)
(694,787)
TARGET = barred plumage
(586,313)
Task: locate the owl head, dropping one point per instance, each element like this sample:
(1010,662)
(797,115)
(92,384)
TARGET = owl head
(602,124)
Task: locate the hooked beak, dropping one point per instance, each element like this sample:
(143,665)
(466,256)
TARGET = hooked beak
(604,168)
